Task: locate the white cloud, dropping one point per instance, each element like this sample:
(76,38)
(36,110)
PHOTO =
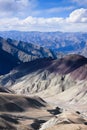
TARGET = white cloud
(77,21)
(30,23)
(79,16)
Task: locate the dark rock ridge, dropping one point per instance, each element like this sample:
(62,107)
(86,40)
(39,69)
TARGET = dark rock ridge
(7,62)
(5,90)
(13,53)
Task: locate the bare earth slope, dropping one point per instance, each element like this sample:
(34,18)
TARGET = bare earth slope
(66,120)
(62,83)
(47,76)
(32,113)
(61,80)
(22,112)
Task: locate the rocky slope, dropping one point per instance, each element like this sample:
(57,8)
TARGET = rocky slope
(66,120)
(47,77)
(22,112)
(13,53)
(33,113)
(62,83)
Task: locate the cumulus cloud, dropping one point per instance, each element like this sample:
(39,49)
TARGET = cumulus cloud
(31,23)
(77,21)
(79,16)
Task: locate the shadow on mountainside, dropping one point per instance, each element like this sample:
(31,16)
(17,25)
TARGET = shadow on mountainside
(62,66)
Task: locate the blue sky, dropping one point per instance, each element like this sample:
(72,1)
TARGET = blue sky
(59,7)
(43,15)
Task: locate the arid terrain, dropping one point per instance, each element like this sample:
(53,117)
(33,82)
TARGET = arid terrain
(33,113)
(43,64)
(22,112)
(45,94)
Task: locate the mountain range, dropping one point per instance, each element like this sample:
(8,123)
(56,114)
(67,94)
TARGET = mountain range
(39,91)
(59,42)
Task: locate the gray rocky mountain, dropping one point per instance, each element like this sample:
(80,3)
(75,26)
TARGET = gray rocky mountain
(13,53)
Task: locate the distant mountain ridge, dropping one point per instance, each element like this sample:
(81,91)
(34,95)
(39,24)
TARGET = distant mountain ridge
(59,42)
